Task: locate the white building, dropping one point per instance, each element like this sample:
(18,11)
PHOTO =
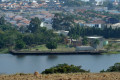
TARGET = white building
(47,25)
(94,25)
(63,32)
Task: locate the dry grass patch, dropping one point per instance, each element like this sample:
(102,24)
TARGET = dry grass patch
(71,76)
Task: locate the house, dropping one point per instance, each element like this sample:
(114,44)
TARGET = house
(39,16)
(100,8)
(111,20)
(13,22)
(113,11)
(99,3)
(80,22)
(47,25)
(116,25)
(96,23)
(73,42)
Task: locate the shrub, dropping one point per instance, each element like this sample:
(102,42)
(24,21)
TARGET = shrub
(64,68)
(19,45)
(115,68)
(51,45)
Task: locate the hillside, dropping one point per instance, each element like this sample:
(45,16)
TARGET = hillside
(71,76)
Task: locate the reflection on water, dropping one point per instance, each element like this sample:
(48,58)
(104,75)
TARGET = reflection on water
(11,64)
(52,57)
(20,56)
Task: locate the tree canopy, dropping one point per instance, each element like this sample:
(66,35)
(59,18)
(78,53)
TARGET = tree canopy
(64,68)
(63,22)
(34,25)
(115,68)
(51,45)
(20,45)
(106,32)
(19,38)
(2,21)
(85,40)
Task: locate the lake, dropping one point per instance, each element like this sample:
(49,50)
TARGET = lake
(11,64)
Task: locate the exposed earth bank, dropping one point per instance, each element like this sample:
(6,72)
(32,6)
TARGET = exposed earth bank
(71,76)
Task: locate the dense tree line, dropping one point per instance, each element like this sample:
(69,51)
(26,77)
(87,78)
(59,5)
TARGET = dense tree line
(86,15)
(66,22)
(106,32)
(63,22)
(32,36)
(64,68)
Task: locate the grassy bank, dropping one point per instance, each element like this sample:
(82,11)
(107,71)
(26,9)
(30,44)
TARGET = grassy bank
(43,48)
(71,76)
(112,49)
(112,52)
(5,50)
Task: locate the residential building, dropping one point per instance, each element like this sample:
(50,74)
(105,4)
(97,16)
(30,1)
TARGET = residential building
(47,25)
(96,23)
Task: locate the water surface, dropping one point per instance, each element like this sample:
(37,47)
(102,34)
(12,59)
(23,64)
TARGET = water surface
(11,64)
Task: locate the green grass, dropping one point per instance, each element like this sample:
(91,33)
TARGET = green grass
(40,48)
(5,50)
(64,48)
(60,48)
(113,48)
(112,52)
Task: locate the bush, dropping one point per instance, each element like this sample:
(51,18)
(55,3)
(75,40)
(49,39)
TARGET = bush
(64,68)
(51,45)
(19,45)
(115,68)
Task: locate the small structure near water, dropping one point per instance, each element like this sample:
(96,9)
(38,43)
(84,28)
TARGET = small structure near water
(95,43)
(85,48)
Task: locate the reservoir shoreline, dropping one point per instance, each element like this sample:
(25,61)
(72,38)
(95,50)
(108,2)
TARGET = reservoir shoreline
(55,53)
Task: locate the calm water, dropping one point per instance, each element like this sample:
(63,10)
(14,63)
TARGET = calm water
(10,64)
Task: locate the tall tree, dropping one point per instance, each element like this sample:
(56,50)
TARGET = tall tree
(63,22)
(51,45)
(34,25)
(2,21)
(85,41)
(20,45)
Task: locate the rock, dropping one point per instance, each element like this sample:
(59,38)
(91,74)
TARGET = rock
(36,73)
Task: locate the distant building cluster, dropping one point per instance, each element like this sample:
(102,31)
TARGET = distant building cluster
(27,11)
(19,20)
(17,0)
(29,0)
